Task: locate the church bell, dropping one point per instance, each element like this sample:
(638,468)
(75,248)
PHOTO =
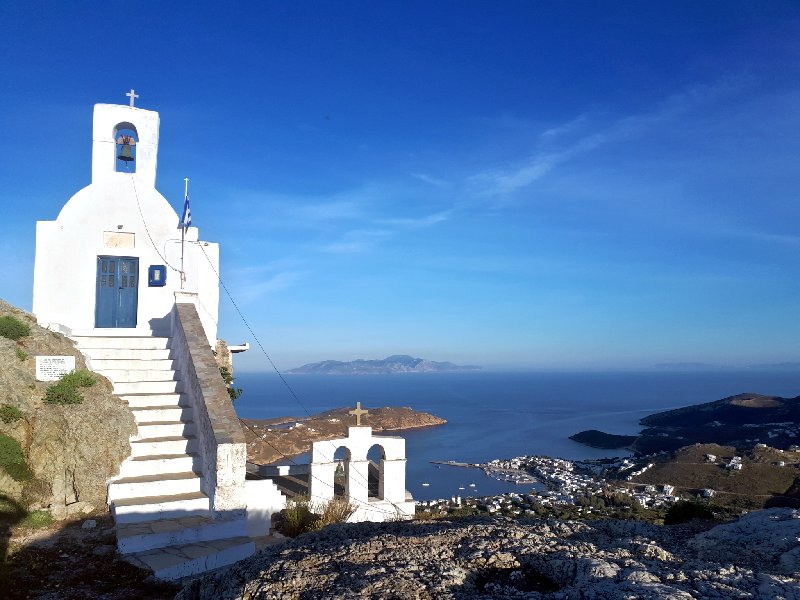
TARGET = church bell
(125,152)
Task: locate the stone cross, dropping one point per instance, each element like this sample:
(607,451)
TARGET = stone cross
(357,413)
(132,95)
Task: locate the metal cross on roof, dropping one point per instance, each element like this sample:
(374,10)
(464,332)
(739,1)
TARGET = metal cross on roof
(132,95)
(357,413)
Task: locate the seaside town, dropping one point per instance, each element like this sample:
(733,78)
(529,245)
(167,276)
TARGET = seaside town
(561,482)
(587,487)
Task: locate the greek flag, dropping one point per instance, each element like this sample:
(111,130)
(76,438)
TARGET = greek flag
(186,218)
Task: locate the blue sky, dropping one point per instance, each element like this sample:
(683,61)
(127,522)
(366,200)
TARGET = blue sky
(540,185)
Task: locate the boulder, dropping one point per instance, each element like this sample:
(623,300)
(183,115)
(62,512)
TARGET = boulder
(71,450)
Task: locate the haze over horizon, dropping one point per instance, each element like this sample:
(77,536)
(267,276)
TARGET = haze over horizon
(572,185)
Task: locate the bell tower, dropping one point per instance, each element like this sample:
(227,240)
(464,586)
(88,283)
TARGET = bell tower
(124,143)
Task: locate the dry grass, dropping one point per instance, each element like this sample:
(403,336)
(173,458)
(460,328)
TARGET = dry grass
(759,481)
(301,515)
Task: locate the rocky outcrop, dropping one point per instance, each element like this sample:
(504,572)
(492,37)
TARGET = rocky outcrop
(223,356)
(503,558)
(71,450)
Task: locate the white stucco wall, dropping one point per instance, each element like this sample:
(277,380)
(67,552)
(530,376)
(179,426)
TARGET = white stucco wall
(127,203)
(392,502)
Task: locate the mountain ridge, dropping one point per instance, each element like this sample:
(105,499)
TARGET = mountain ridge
(396,363)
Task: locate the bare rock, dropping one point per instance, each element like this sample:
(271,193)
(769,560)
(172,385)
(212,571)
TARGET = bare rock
(484,557)
(769,536)
(72,450)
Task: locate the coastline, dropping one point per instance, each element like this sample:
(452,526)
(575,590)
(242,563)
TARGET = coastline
(286,438)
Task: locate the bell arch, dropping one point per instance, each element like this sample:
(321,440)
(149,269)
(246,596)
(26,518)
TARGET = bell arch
(126,139)
(341,473)
(376,457)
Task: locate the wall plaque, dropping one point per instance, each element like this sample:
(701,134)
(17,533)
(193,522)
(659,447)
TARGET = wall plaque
(119,239)
(51,368)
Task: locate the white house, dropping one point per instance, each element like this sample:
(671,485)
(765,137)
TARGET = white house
(112,257)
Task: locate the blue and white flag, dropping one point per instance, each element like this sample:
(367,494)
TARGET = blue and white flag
(186,218)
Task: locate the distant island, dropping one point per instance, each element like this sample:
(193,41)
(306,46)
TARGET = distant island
(398,363)
(741,421)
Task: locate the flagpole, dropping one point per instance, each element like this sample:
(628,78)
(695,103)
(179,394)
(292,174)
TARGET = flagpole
(183,230)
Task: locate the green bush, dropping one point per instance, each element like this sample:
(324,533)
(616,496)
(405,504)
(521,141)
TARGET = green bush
(9,414)
(79,378)
(227,377)
(12,459)
(685,510)
(21,354)
(65,390)
(62,393)
(12,328)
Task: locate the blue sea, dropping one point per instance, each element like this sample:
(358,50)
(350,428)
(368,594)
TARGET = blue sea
(501,415)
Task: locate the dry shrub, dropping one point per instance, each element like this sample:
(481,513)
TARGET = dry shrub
(302,515)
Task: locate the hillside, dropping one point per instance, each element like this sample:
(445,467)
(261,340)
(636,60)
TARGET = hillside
(740,421)
(398,363)
(768,477)
(754,557)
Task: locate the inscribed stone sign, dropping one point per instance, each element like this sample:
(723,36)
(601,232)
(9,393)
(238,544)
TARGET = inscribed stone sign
(51,368)
(119,239)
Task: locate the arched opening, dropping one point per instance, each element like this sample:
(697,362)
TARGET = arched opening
(341,472)
(126,139)
(376,455)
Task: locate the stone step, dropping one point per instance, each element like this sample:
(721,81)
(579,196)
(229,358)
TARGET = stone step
(135,375)
(149,431)
(143,486)
(160,464)
(131,342)
(155,414)
(152,400)
(167,445)
(123,388)
(99,354)
(133,363)
(184,560)
(154,508)
(138,537)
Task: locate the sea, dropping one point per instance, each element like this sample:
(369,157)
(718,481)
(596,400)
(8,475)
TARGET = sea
(500,415)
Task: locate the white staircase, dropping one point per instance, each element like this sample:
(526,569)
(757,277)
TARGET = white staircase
(163,518)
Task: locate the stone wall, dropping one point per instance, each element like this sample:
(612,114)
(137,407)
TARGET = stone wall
(222,442)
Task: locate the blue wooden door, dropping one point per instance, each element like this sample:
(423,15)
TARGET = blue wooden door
(117,291)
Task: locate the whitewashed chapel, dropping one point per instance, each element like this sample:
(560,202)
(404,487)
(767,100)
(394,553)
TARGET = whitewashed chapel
(112,258)
(115,274)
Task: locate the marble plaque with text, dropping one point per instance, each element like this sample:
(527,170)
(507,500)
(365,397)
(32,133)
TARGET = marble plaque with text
(51,368)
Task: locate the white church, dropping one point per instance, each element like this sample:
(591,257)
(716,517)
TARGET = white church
(126,278)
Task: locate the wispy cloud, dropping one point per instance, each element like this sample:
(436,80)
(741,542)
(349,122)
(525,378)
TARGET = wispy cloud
(249,289)
(565,128)
(364,240)
(358,240)
(549,155)
(328,211)
(418,222)
(434,181)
